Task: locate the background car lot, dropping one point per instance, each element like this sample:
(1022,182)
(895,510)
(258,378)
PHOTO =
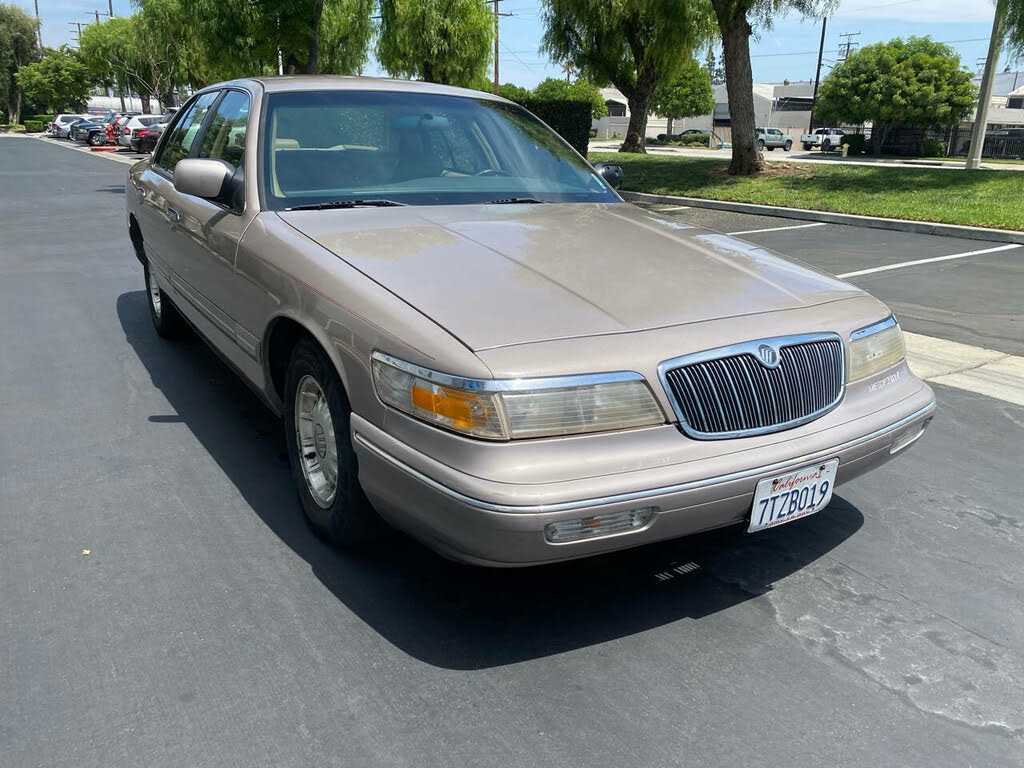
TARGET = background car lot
(163,598)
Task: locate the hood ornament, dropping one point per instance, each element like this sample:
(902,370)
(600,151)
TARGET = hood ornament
(769,356)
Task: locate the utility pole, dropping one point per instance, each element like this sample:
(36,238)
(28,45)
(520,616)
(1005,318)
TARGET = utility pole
(78,33)
(995,45)
(39,29)
(110,8)
(817,75)
(497,18)
(846,47)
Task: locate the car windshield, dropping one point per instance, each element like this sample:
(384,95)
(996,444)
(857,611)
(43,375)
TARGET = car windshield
(416,149)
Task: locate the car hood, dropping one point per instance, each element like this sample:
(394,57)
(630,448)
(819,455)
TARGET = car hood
(497,275)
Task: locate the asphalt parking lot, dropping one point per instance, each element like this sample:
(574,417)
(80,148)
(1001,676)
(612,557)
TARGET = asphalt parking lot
(164,604)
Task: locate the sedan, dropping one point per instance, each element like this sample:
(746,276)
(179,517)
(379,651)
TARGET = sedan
(144,139)
(133,125)
(470,336)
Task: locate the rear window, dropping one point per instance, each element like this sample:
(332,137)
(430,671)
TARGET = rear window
(149,120)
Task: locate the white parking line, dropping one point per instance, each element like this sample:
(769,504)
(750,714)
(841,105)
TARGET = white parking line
(674,208)
(975,369)
(932,260)
(779,229)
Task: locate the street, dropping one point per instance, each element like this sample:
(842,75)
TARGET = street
(164,604)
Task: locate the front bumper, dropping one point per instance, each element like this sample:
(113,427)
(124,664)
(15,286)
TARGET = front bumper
(488,523)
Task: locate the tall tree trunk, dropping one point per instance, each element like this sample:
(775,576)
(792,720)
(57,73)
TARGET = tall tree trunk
(14,105)
(313,59)
(636,132)
(144,98)
(427,72)
(668,126)
(739,83)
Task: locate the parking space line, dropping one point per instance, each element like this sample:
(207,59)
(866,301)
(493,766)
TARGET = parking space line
(674,208)
(902,264)
(779,229)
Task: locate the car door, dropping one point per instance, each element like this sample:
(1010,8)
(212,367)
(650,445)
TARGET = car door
(204,234)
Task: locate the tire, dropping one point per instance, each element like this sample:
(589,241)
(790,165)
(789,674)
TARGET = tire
(771,149)
(808,147)
(787,146)
(341,513)
(167,321)
(96,139)
(760,145)
(826,146)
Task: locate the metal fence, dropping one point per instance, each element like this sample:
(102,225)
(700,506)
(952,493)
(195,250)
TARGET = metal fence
(1005,143)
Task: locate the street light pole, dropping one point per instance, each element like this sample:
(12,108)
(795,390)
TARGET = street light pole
(817,75)
(995,45)
(497,27)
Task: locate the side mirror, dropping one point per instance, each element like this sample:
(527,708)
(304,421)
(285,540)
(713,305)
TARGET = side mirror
(611,173)
(202,178)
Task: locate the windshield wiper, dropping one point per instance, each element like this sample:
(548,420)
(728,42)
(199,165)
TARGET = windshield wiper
(514,201)
(368,203)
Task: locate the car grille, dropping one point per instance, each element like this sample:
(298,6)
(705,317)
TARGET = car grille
(735,391)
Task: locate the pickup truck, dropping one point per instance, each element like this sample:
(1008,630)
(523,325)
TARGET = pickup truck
(770,138)
(825,139)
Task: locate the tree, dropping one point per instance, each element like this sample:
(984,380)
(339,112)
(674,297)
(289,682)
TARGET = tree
(634,44)
(58,82)
(554,89)
(17,48)
(734,24)
(512,92)
(440,41)
(109,51)
(687,95)
(914,82)
(242,37)
(714,67)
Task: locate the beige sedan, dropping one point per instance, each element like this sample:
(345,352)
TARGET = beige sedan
(469,335)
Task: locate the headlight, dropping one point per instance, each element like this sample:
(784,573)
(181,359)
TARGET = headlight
(875,348)
(510,409)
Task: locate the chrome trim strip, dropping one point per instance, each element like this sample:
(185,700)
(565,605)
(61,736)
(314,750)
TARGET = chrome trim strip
(871,330)
(506,385)
(567,506)
(750,347)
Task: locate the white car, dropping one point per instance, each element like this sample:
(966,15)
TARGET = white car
(61,125)
(825,139)
(134,124)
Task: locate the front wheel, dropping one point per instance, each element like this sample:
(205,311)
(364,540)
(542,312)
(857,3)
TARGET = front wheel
(760,145)
(317,429)
(96,139)
(788,146)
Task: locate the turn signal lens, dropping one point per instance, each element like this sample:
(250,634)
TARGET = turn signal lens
(875,348)
(520,408)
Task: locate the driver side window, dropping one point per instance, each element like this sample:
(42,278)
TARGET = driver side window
(183,135)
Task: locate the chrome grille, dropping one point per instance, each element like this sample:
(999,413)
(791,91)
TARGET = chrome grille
(733,392)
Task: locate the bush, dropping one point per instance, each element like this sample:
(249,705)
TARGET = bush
(570,119)
(35,126)
(12,128)
(41,118)
(857,143)
(933,148)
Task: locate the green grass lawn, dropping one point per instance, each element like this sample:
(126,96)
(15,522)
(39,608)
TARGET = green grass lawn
(949,196)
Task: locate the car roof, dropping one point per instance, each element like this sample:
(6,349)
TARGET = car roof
(293,83)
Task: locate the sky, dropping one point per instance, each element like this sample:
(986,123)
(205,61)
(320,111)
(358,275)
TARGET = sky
(786,51)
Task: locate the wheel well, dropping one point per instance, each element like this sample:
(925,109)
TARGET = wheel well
(135,234)
(284,335)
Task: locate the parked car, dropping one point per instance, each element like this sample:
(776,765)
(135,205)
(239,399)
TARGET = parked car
(773,138)
(825,139)
(469,335)
(92,131)
(136,123)
(62,124)
(144,139)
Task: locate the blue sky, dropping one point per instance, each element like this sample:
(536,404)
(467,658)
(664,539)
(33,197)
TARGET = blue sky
(786,51)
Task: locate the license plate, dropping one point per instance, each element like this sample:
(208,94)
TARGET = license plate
(785,498)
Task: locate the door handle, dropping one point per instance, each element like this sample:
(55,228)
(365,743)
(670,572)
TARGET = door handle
(173,215)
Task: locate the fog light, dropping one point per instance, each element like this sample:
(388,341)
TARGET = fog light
(598,525)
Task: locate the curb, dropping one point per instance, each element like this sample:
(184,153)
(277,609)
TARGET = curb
(849,219)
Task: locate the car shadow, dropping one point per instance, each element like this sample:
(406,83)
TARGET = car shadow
(114,189)
(457,616)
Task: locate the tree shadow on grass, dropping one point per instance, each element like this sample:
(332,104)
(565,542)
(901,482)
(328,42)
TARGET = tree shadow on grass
(456,616)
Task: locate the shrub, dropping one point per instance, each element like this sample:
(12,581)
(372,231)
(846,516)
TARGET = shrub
(41,118)
(933,148)
(34,126)
(570,119)
(856,142)
(12,128)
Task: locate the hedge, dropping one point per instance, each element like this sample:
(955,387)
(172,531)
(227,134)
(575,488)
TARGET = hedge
(35,126)
(570,119)
(12,128)
(857,143)
(41,118)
